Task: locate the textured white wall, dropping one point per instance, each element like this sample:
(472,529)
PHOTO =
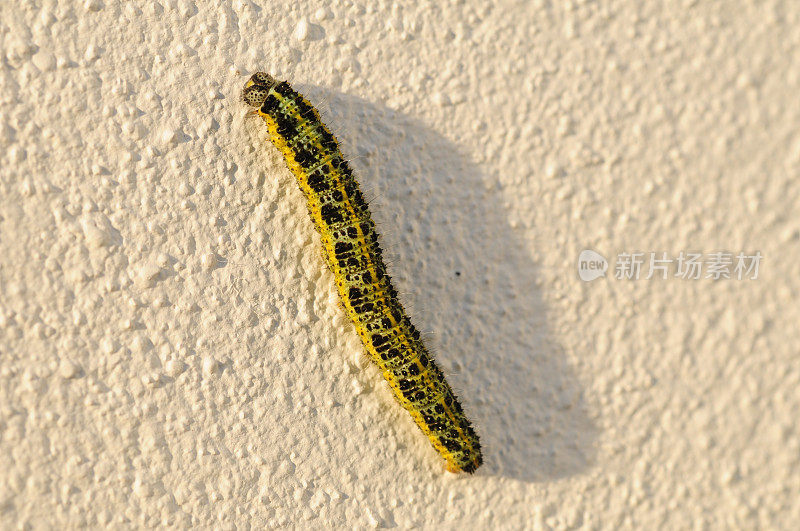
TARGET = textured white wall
(171,348)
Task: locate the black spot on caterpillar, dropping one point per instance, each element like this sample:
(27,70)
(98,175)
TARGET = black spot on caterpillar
(341,215)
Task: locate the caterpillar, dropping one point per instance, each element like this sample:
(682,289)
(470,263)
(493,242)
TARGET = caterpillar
(350,247)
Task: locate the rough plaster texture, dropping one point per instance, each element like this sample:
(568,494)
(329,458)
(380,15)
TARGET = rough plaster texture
(171,348)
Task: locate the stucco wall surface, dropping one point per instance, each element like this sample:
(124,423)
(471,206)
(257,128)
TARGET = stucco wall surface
(172,351)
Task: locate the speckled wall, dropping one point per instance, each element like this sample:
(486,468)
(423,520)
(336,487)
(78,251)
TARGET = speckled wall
(172,350)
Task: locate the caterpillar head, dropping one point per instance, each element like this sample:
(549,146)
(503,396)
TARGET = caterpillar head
(257,88)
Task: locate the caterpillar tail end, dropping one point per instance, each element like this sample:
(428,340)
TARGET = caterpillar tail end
(469,467)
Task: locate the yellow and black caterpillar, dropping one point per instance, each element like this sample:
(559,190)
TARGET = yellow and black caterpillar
(351,250)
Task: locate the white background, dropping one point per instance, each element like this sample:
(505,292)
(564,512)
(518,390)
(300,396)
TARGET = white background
(172,351)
